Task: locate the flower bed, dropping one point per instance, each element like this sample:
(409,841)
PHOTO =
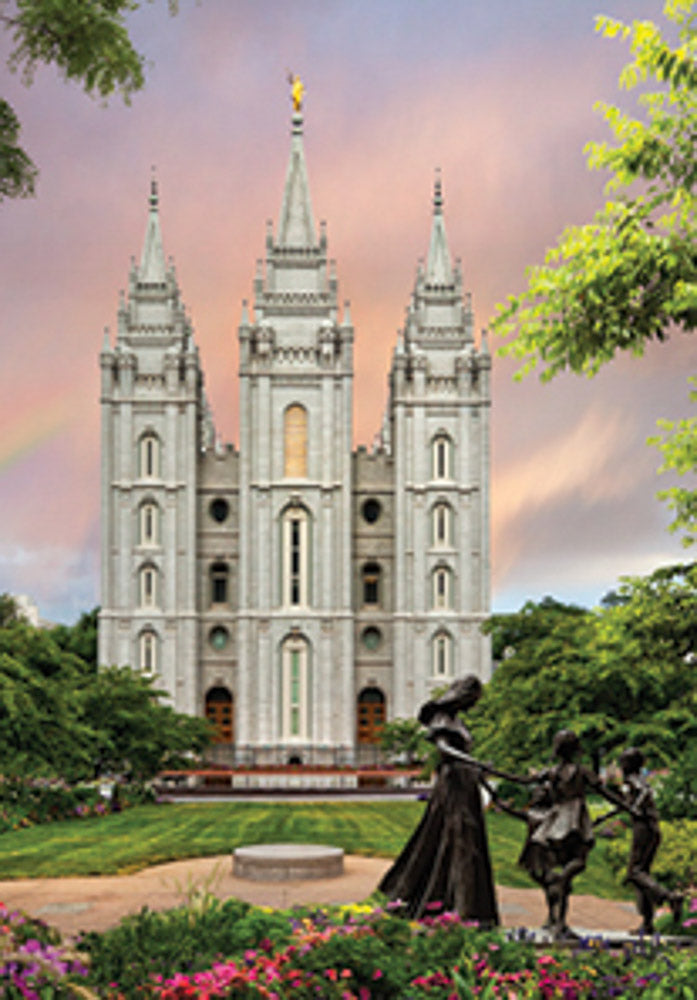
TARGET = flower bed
(27,801)
(211,949)
(33,963)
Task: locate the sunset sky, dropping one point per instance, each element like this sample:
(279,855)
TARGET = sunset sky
(497,93)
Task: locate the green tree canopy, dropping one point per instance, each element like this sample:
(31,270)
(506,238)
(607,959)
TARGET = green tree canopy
(629,277)
(622,674)
(59,714)
(88,41)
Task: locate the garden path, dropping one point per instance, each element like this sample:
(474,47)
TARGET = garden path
(96,903)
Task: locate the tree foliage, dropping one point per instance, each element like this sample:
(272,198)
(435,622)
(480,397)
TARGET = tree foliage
(404,741)
(623,279)
(678,443)
(59,714)
(622,674)
(629,277)
(88,41)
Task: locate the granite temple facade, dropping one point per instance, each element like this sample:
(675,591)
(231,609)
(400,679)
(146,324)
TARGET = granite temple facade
(294,590)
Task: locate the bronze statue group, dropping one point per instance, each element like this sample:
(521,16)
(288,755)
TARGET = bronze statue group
(446,860)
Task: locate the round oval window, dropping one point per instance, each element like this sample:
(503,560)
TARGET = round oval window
(371,637)
(371,510)
(219,509)
(219,637)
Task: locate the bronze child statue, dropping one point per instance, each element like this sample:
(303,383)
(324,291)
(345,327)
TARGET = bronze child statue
(564,837)
(645,840)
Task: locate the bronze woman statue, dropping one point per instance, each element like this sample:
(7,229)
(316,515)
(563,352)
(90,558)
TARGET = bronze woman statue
(446,860)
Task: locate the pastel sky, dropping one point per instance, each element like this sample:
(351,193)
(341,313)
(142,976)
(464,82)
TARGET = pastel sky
(498,94)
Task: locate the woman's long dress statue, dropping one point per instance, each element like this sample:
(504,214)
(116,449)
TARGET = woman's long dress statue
(446,860)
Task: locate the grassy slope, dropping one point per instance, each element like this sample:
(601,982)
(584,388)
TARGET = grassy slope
(152,834)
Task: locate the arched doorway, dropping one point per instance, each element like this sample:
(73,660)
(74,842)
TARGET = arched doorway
(371,714)
(219,705)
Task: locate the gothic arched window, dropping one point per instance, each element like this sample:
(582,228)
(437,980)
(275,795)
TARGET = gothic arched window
(149,523)
(150,456)
(442,588)
(295,526)
(442,457)
(147,651)
(295,442)
(148,586)
(442,524)
(441,654)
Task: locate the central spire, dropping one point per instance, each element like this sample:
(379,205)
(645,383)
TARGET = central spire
(296,226)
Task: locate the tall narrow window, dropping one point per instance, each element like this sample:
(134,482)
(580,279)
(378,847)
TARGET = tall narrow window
(371,583)
(149,456)
(149,524)
(295,442)
(294,688)
(148,652)
(219,583)
(441,588)
(441,655)
(442,458)
(294,699)
(442,524)
(148,587)
(295,557)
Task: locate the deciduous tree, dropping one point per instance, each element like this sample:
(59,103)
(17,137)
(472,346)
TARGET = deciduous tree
(622,674)
(88,41)
(629,277)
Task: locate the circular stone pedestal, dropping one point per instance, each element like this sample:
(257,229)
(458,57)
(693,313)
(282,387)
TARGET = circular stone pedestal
(277,862)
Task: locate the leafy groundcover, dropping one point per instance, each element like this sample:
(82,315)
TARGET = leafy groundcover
(211,949)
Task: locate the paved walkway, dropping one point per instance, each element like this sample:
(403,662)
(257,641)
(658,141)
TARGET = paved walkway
(75,904)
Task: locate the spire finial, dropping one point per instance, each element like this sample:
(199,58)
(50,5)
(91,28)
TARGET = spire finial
(297,91)
(438,193)
(154,198)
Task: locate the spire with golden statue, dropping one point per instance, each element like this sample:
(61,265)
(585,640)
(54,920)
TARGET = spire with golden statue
(297,91)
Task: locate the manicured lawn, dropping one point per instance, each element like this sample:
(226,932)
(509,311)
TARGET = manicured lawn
(152,834)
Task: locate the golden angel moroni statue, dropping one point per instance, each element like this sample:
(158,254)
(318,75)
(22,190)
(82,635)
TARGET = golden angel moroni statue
(296,91)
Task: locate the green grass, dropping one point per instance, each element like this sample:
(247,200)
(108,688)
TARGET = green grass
(152,834)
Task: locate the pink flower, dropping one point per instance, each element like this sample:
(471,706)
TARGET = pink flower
(378,974)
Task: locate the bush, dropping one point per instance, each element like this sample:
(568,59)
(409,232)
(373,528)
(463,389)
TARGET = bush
(186,939)
(675,865)
(676,792)
(25,802)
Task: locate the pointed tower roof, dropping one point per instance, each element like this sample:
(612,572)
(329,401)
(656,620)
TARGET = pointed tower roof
(296,226)
(439,269)
(153,268)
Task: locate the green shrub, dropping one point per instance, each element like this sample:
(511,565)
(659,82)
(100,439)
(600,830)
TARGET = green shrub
(676,792)
(28,801)
(366,953)
(675,865)
(186,939)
